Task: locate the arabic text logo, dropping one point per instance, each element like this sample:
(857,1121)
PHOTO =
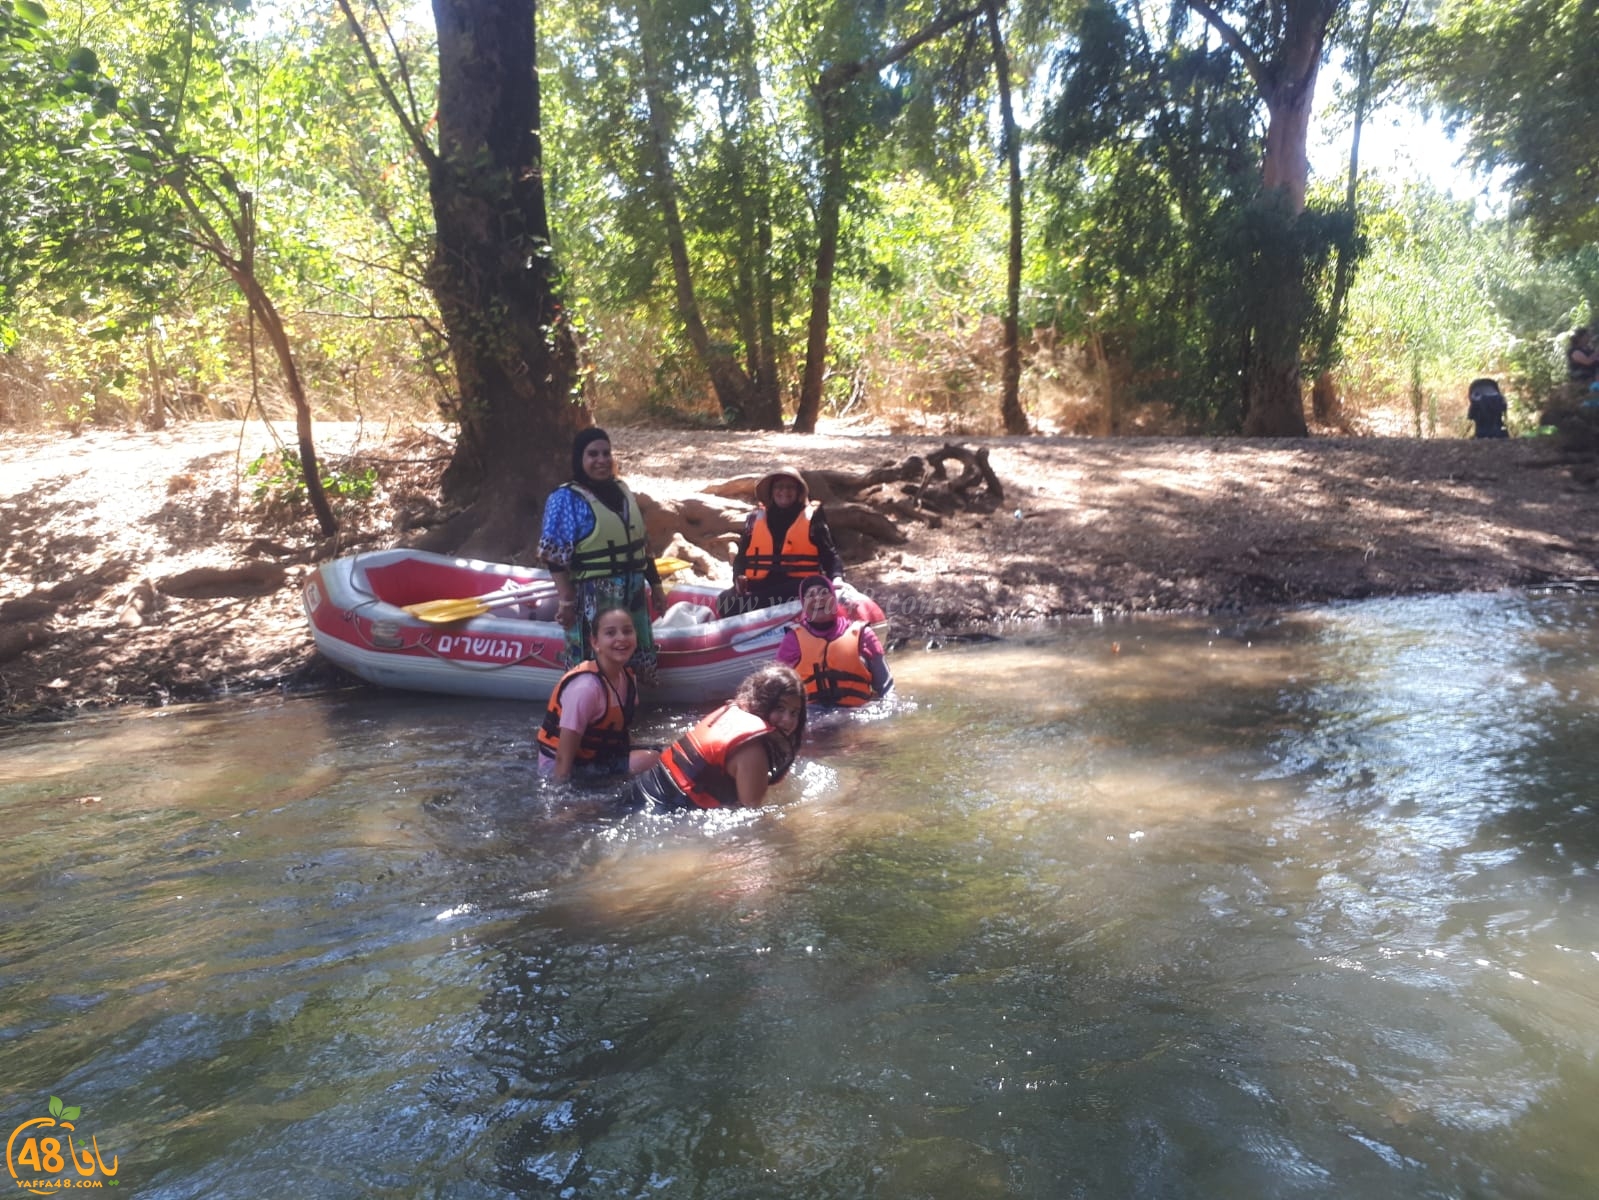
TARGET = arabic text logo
(40,1163)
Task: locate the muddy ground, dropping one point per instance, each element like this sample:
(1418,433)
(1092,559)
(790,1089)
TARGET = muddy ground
(154,567)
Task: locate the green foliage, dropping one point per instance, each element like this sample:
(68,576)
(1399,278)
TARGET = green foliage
(280,480)
(1163,256)
(1143,236)
(274,126)
(1452,295)
(1519,75)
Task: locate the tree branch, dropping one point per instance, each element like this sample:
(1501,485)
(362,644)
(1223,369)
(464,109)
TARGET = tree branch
(413,130)
(1252,64)
(840,75)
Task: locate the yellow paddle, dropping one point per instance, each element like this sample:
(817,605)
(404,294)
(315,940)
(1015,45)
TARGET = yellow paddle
(444,612)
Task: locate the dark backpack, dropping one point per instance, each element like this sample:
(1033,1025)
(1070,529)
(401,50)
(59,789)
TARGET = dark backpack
(1486,408)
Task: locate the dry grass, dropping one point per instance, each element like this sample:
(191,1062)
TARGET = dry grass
(947,385)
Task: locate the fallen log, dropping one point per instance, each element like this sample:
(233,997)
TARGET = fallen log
(17,639)
(256,578)
(975,469)
(862,518)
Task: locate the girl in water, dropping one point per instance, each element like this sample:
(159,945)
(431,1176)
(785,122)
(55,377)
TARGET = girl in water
(585,729)
(731,757)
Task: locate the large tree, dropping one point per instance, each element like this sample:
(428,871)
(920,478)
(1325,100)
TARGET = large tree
(842,112)
(1280,45)
(493,274)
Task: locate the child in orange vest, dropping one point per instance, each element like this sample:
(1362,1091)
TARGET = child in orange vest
(733,755)
(585,729)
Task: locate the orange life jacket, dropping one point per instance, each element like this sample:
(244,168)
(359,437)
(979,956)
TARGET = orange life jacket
(834,671)
(606,737)
(798,555)
(614,547)
(697,762)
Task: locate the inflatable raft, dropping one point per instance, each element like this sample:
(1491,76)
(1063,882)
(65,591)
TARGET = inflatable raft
(358,610)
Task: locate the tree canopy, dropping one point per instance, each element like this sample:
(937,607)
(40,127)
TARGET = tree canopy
(738,211)
(1516,76)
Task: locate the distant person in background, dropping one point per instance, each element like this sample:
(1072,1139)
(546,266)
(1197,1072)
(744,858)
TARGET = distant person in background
(1486,409)
(785,539)
(1582,357)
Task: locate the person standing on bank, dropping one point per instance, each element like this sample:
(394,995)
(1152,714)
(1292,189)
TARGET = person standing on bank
(785,539)
(1486,408)
(593,543)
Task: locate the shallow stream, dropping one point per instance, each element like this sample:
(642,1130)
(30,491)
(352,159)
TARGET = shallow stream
(1304,906)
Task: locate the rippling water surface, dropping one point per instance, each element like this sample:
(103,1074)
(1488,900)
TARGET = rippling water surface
(1299,907)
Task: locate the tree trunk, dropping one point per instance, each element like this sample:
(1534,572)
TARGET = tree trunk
(240,270)
(829,92)
(734,391)
(267,313)
(1010,401)
(827,219)
(767,408)
(1274,403)
(158,391)
(1370,52)
(493,277)
(1276,397)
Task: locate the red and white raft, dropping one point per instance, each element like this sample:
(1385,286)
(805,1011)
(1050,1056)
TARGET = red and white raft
(357,610)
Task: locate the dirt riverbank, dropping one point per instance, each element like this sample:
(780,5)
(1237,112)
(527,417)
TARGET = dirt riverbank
(145,567)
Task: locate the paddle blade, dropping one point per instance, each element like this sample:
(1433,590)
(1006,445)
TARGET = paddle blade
(442,612)
(671,566)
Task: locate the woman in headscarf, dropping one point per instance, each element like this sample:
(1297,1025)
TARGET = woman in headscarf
(594,546)
(785,539)
(839,659)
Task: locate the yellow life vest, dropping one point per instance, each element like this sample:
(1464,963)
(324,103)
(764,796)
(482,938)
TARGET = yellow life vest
(613,548)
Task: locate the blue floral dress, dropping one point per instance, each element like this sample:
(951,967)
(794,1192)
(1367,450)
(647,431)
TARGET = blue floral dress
(568,519)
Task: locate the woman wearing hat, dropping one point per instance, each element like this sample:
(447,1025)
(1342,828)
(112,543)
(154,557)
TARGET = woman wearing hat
(594,546)
(785,539)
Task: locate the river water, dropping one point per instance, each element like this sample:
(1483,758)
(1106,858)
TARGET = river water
(1299,906)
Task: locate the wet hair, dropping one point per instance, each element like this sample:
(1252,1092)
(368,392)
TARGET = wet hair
(763,691)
